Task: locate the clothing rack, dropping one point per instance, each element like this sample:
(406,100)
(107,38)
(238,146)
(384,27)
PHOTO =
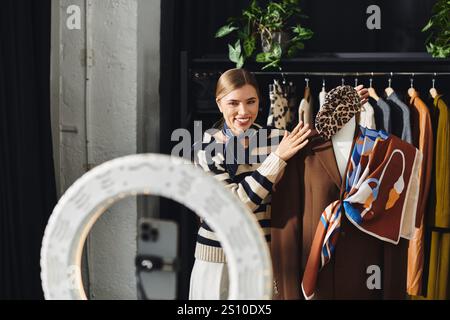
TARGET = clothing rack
(341,74)
(356,74)
(331,69)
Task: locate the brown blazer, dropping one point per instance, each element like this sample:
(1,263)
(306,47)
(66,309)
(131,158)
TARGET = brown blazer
(310,183)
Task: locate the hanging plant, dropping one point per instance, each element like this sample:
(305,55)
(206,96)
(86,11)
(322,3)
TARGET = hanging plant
(438,42)
(276,28)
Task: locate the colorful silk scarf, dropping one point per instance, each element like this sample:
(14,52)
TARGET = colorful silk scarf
(380,198)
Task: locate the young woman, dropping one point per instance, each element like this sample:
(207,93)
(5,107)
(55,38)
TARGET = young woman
(237,97)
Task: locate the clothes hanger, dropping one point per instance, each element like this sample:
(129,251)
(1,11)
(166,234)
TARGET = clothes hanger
(307,93)
(372,92)
(322,94)
(284,83)
(411,91)
(283,78)
(290,88)
(433,90)
(389,89)
(358,118)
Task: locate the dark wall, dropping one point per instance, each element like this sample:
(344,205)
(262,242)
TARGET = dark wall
(339,26)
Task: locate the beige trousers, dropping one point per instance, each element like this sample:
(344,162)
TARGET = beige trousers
(209,281)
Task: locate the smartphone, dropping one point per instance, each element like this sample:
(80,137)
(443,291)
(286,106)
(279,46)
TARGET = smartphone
(157,259)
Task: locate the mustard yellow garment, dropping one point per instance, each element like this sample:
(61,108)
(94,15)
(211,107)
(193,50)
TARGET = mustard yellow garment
(442,218)
(438,279)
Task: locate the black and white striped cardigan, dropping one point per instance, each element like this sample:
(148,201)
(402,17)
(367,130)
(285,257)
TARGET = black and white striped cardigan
(252,183)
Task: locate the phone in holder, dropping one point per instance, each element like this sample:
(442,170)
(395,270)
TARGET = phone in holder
(156,261)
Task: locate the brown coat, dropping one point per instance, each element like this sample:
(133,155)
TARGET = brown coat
(310,183)
(423,140)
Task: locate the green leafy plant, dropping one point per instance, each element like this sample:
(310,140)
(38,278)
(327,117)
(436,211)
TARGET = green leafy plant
(438,42)
(276,28)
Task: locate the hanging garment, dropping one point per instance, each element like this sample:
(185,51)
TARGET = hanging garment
(305,112)
(442,216)
(310,183)
(382,114)
(305,109)
(422,134)
(367,117)
(429,214)
(280,116)
(380,198)
(400,115)
(292,104)
(322,96)
(439,222)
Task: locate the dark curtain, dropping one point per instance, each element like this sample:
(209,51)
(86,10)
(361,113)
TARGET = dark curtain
(171,45)
(27,181)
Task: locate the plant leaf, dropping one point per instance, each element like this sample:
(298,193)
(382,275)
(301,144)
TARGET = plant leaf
(428,26)
(276,50)
(225,30)
(240,62)
(242,34)
(273,64)
(263,57)
(438,39)
(256,21)
(302,33)
(234,53)
(294,48)
(249,46)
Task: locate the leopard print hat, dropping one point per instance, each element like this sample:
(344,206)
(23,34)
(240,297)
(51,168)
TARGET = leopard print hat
(340,106)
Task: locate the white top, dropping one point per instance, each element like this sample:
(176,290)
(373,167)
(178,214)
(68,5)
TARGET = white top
(342,144)
(322,96)
(305,112)
(367,116)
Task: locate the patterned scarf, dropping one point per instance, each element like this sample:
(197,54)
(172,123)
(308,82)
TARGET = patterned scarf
(233,146)
(380,198)
(340,106)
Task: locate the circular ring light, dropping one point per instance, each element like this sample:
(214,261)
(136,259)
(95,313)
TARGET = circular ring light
(85,201)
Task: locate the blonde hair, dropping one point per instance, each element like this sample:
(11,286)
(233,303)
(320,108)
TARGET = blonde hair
(234,79)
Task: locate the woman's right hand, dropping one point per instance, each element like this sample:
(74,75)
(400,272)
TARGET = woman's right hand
(293,142)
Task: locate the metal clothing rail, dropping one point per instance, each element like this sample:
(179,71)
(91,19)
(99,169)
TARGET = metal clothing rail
(355,74)
(337,74)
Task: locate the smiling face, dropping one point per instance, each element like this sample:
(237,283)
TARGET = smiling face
(240,108)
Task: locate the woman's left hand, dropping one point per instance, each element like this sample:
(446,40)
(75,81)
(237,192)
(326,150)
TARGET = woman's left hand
(363,94)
